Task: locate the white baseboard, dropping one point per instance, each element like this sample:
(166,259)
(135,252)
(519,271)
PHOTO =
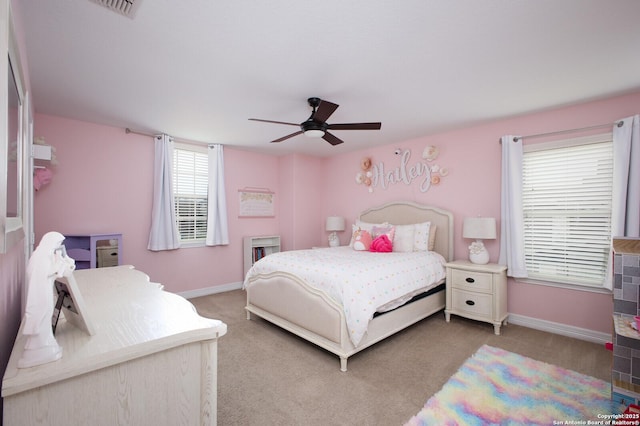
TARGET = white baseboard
(211,290)
(562,329)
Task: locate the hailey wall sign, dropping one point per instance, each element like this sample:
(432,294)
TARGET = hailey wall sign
(373,175)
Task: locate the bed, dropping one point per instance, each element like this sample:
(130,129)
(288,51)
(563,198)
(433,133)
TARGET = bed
(285,299)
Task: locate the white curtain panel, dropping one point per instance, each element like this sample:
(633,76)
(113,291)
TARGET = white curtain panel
(625,214)
(164,231)
(625,220)
(511,216)
(217,229)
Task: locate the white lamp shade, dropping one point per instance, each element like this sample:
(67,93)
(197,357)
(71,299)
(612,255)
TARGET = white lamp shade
(335,223)
(479,228)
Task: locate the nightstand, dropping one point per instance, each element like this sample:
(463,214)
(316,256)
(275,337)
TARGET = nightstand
(477,292)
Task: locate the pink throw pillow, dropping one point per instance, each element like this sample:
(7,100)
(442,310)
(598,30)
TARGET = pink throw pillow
(361,240)
(381,244)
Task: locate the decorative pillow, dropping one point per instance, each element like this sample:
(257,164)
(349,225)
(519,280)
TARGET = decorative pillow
(384,229)
(403,238)
(381,244)
(359,225)
(362,240)
(354,228)
(421,236)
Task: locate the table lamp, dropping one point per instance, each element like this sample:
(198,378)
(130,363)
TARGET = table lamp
(334,223)
(479,228)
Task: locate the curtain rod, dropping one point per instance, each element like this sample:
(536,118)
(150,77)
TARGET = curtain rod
(128,130)
(560,132)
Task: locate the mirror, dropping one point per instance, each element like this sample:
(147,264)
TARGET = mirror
(13,126)
(12,140)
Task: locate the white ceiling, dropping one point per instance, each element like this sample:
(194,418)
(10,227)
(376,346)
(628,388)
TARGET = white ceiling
(198,69)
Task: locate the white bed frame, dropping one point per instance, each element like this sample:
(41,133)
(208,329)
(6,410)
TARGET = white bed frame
(290,303)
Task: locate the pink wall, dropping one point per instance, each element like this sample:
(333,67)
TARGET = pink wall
(301,219)
(472,187)
(103,184)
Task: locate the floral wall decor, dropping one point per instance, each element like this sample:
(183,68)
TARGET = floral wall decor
(426,171)
(365,174)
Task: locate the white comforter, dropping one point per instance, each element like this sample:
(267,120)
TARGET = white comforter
(362,282)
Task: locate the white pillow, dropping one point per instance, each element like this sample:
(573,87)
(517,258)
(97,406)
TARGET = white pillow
(421,236)
(403,240)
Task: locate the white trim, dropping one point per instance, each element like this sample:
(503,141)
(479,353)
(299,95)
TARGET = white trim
(564,143)
(569,286)
(562,329)
(207,291)
(192,243)
(190,147)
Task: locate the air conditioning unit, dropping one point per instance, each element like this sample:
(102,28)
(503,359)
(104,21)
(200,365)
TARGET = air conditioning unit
(123,7)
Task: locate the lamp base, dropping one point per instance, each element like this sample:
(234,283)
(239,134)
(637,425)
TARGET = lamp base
(333,240)
(478,254)
(480,258)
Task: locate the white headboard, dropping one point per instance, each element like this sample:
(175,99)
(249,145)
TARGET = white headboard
(407,213)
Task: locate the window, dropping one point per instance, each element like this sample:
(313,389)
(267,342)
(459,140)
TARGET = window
(190,176)
(567,198)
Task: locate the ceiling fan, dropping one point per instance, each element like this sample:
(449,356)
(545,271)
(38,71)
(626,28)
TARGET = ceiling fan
(316,125)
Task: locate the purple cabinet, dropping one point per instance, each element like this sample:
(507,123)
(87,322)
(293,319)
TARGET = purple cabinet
(84,249)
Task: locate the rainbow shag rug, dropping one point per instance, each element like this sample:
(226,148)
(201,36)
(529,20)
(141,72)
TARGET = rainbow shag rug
(497,387)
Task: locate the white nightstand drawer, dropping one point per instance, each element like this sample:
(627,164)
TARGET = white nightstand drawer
(472,280)
(478,304)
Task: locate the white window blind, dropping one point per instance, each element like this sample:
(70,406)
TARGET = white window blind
(567,193)
(190,171)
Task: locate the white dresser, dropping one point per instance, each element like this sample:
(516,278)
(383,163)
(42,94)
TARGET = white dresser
(152,360)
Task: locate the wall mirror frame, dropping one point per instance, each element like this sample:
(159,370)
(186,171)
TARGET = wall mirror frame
(13,131)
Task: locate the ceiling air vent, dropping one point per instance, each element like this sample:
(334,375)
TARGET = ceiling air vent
(124,7)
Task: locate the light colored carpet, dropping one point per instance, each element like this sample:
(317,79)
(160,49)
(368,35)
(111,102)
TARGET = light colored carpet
(498,387)
(267,376)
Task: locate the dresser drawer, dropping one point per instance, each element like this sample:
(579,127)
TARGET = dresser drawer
(476,304)
(472,280)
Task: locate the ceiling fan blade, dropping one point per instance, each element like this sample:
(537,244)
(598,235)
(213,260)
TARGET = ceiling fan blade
(324,111)
(355,126)
(276,122)
(287,137)
(333,140)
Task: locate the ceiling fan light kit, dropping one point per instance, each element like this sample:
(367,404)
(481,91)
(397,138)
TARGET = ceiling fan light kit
(316,125)
(314,133)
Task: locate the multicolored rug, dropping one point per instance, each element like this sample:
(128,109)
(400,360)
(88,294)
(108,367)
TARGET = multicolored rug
(496,387)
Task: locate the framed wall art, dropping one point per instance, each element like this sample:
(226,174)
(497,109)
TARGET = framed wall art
(256,202)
